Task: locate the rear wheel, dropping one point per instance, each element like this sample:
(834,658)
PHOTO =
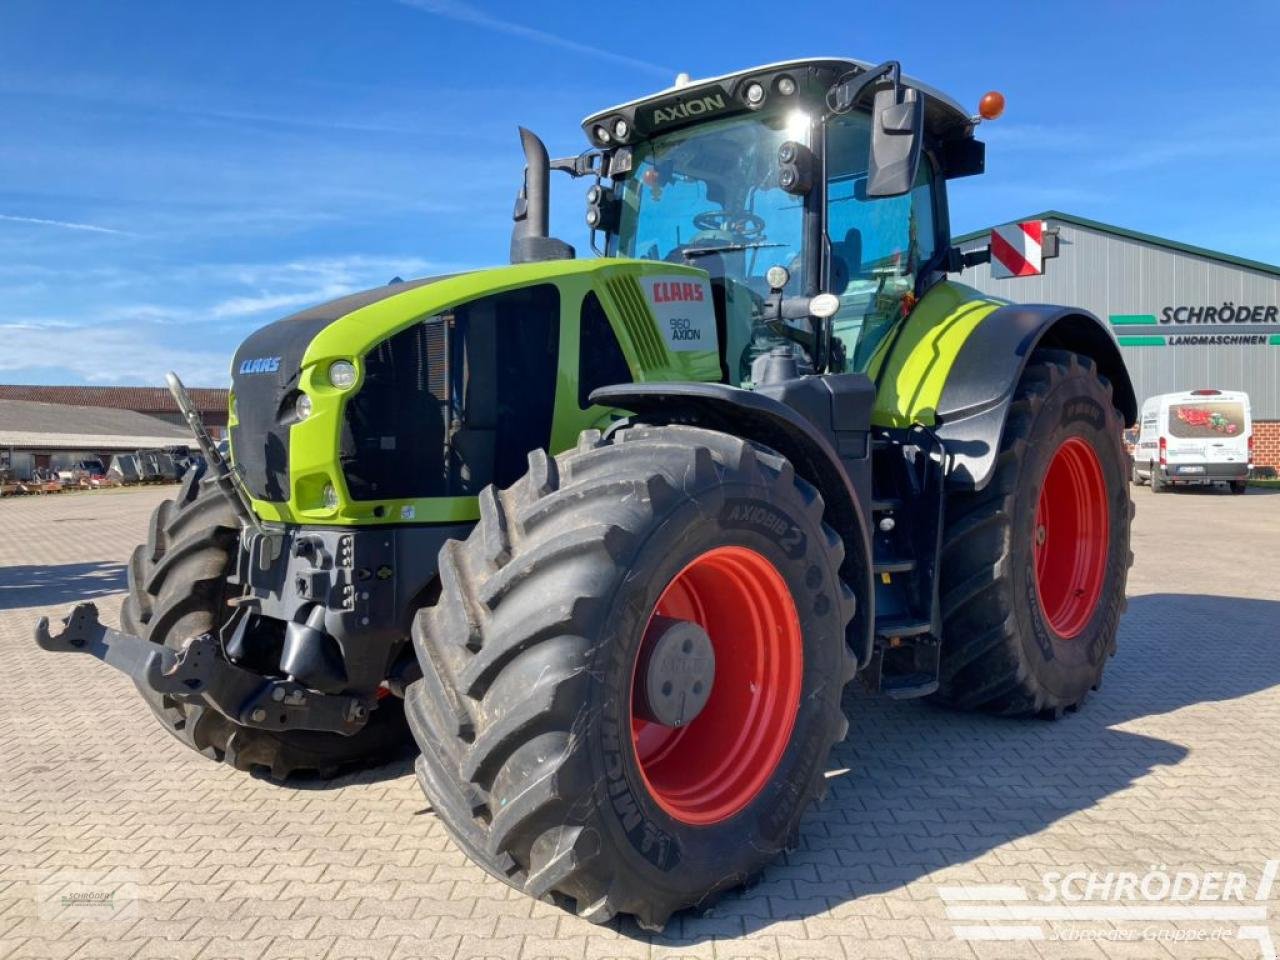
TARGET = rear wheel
(1034,565)
(1158,484)
(1138,480)
(1239,486)
(178,589)
(632,678)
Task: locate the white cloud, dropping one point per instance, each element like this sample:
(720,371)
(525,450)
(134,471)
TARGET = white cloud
(64,224)
(108,354)
(464,13)
(237,307)
(209,308)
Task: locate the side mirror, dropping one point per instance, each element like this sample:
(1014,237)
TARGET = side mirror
(897,131)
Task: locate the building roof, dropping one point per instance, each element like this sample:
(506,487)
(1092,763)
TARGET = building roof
(62,427)
(1152,239)
(142,399)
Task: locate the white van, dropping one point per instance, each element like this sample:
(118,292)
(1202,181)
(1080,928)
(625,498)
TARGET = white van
(1200,436)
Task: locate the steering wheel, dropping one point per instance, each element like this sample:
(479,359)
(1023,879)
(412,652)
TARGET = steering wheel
(740,223)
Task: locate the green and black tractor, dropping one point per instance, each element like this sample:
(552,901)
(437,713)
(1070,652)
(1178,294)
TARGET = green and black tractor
(608,536)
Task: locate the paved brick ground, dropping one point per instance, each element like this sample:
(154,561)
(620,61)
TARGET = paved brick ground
(1174,762)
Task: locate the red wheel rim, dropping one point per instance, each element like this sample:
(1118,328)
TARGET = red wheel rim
(1071,538)
(712,768)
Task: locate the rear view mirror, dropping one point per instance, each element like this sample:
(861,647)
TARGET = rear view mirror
(897,130)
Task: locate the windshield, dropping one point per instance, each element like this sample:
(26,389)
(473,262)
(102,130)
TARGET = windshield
(709,196)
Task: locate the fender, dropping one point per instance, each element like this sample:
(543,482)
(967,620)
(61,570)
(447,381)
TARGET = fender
(823,429)
(974,402)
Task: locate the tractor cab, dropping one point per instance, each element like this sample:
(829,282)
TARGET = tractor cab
(786,182)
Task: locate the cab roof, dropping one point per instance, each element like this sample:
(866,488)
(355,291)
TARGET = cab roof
(686,103)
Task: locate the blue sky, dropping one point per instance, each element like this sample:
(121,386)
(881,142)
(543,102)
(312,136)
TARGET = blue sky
(174,175)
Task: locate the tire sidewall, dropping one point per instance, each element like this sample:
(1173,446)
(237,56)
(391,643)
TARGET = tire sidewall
(1076,406)
(698,859)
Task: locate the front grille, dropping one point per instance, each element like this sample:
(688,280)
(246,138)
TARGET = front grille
(395,428)
(456,401)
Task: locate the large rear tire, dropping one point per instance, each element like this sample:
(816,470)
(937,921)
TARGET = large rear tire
(178,589)
(1034,565)
(533,752)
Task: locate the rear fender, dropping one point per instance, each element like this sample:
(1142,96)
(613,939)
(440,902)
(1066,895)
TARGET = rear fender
(822,430)
(974,402)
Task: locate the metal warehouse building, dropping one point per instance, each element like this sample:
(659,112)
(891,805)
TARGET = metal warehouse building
(1186,317)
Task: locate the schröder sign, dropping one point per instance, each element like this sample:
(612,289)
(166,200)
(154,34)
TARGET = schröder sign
(1215,326)
(1226,313)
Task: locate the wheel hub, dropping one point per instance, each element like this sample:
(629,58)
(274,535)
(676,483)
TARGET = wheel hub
(735,610)
(676,671)
(1072,534)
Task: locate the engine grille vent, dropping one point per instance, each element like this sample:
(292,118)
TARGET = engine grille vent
(627,296)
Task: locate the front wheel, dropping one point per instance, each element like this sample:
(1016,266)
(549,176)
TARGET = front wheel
(1034,565)
(1239,486)
(632,678)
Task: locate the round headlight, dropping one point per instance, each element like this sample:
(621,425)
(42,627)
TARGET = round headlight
(302,407)
(621,129)
(754,94)
(330,496)
(777,277)
(786,86)
(593,217)
(824,305)
(342,374)
(600,133)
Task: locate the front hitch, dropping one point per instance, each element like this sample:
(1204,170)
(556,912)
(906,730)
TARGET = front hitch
(199,673)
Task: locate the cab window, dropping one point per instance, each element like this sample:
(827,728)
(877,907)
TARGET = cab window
(878,245)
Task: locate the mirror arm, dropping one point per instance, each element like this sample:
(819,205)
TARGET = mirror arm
(845,93)
(583,165)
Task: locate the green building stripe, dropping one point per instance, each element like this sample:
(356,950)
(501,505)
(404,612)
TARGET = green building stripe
(1275,340)
(1133,319)
(1142,341)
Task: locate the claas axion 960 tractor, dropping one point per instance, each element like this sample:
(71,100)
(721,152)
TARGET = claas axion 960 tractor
(610,535)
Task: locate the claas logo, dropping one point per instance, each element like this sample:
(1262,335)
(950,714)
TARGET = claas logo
(260,365)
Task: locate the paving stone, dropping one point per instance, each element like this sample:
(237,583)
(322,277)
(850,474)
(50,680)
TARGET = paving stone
(1174,761)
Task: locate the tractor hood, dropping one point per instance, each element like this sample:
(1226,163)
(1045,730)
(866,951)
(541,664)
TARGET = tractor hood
(443,386)
(265,374)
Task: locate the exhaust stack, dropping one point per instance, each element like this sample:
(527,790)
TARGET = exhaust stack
(529,239)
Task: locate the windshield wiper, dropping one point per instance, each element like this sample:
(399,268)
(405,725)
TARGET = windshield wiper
(690,252)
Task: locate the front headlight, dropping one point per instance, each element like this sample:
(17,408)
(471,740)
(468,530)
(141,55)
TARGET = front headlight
(302,407)
(342,374)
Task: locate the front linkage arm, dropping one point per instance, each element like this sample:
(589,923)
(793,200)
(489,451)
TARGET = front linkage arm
(199,673)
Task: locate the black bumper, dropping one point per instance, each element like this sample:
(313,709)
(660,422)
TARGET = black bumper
(321,622)
(1203,472)
(347,597)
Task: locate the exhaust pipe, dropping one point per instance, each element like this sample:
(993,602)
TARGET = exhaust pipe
(529,239)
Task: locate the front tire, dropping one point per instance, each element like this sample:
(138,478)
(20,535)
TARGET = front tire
(1034,565)
(178,589)
(533,753)
(1239,486)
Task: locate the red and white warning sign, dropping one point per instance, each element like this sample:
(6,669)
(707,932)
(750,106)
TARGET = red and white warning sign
(1016,249)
